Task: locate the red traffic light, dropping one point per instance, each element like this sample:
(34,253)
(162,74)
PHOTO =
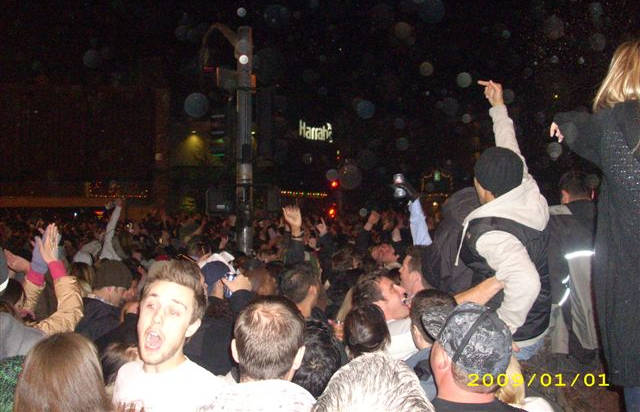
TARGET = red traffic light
(332,212)
(334,184)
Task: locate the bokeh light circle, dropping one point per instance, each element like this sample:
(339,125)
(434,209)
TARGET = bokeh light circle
(350,177)
(426,69)
(554,150)
(365,109)
(92,59)
(196,105)
(509,96)
(464,80)
(331,175)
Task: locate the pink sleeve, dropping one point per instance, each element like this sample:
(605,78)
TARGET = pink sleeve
(57,269)
(35,277)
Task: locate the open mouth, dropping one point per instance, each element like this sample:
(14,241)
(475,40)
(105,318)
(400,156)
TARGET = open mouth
(153,340)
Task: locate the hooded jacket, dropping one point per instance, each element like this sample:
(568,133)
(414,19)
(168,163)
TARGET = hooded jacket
(16,338)
(438,258)
(503,252)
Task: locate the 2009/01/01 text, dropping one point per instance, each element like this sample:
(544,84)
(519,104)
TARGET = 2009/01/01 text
(545,379)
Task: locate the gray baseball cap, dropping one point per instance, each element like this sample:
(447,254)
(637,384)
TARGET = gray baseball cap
(472,335)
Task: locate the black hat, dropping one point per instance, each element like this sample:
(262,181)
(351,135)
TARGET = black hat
(213,272)
(499,170)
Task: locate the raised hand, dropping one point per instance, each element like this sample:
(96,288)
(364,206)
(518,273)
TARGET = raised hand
(38,264)
(240,282)
(492,91)
(321,227)
(554,131)
(293,218)
(16,263)
(387,222)
(48,245)
(374,218)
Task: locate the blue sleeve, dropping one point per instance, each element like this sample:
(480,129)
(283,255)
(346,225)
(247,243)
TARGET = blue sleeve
(418,224)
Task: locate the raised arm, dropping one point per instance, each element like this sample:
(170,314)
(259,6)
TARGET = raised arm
(417,220)
(581,131)
(295,248)
(70,308)
(503,130)
(108,252)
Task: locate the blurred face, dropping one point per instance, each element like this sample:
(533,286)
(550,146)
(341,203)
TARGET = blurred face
(384,253)
(116,295)
(393,303)
(130,294)
(164,324)
(406,278)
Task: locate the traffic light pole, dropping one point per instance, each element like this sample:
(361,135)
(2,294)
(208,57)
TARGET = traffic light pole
(244,167)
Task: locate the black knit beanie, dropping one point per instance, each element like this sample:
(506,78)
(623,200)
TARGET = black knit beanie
(499,170)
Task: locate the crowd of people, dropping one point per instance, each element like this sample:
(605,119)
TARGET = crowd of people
(353,313)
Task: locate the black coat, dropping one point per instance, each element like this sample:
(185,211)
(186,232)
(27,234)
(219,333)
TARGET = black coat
(99,318)
(438,260)
(607,139)
(126,333)
(568,233)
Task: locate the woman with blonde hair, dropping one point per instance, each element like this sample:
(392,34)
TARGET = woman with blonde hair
(62,373)
(610,138)
(84,273)
(513,392)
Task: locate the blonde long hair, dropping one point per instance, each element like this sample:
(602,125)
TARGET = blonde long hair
(622,81)
(62,373)
(511,392)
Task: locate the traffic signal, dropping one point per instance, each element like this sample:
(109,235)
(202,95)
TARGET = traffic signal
(332,212)
(219,134)
(218,147)
(334,184)
(218,123)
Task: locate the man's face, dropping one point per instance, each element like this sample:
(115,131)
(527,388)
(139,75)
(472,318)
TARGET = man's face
(406,276)
(117,295)
(164,324)
(129,295)
(393,300)
(384,253)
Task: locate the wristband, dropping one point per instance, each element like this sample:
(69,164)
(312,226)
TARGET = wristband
(35,277)
(57,269)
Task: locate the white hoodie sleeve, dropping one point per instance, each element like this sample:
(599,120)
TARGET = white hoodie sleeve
(108,252)
(504,132)
(509,258)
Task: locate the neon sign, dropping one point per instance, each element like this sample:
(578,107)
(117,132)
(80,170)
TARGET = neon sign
(323,133)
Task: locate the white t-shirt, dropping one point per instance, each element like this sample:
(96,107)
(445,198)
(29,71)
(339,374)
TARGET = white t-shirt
(401,346)
(188,387)
(263,396)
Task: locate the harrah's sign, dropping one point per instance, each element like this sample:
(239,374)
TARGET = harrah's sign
(323,134)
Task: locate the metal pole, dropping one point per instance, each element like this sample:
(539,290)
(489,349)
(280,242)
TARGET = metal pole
(244,168)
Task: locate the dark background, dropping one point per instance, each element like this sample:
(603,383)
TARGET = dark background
(76,79)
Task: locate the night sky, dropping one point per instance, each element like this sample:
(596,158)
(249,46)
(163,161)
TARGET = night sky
(397,79)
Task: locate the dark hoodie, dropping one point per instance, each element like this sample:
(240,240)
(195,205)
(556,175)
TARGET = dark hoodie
(439,257)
